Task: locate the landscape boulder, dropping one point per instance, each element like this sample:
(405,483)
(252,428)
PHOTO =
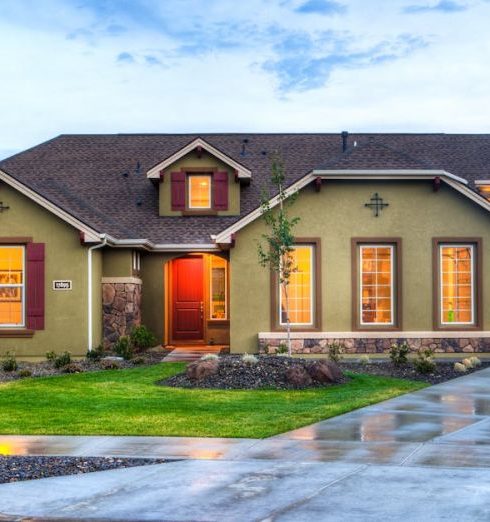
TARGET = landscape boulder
(325,372)
(199,370)
(298,376)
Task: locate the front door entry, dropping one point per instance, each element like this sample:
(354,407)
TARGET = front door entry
(187,299)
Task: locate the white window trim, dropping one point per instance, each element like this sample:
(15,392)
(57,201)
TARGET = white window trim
(204,174)
(211,318)
(312,286)
(392,284)
(21,286)
(441,307)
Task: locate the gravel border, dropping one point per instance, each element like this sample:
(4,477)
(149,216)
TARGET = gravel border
(19,468)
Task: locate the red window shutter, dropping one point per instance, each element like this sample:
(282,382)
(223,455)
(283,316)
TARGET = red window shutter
(177,189)
(220,183)
(35,286)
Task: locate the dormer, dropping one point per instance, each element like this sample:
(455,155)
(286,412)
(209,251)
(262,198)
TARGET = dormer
(199,180)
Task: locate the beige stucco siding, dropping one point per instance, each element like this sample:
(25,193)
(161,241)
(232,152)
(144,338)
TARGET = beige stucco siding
(65,311)
(206,161)
(117,262)
(335,215)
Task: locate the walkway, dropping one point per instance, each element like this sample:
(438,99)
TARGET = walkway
(422,456)
(192,352)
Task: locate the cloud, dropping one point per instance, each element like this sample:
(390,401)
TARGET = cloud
(443,6)
(125,58)
(152,60)
(322,7)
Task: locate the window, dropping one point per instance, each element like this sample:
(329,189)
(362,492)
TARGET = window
(136,261)
(377,304)
(12,300)
(457,284)
(300,289)
(484,188)
(218,279)
(199,191)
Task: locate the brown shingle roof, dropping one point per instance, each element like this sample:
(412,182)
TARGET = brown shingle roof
(100,179)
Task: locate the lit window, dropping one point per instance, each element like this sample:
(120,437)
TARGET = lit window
(484,188)
(11,286)
(199,191)
(376,284)
(299,291)
(456,265)
(218,288)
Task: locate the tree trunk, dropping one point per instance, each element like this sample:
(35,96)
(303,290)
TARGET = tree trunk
(288,322)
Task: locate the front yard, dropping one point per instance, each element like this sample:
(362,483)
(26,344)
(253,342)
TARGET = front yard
(127,402)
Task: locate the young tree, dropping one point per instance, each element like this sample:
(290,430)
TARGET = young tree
(279,239)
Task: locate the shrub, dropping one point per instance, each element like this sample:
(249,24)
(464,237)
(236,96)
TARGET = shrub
(249,358)
(424,362)
(72,368)
(62,360)
(460,367)
(9,362)
(96,353)
(138,360)
(468,363)
(24,373)
(335,352)
(266,349)
(475,361)
(209,357)
(108,364)
(123,348)
(141,338)
(364,359)
(282,348)
(399,353)
(50,356)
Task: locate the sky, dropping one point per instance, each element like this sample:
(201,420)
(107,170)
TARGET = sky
(130,66)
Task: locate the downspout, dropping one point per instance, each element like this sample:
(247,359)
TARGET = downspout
(89,261)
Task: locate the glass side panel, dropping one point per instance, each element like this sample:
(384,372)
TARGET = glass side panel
(218,288)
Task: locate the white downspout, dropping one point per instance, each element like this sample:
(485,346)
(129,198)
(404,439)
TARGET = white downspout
(89,283)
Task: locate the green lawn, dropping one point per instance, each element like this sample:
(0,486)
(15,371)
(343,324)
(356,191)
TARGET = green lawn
(127,402)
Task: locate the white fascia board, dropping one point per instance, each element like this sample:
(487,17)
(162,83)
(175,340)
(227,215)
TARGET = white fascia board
(91,236)
(158,247)
(479,182)
(388,174)
(242,171)
(474,196)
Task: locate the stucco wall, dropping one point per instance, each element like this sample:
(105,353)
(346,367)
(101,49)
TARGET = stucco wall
(117,262)
(336,214)
(191,160)
(65,311)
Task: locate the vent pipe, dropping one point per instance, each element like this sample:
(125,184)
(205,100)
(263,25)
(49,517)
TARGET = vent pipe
(344,135)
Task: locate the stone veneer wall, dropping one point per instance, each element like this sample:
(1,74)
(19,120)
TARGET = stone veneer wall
(121,301)
(379,345)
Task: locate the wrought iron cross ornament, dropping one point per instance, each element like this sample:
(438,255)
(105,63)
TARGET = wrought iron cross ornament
(376,204)
(3,207)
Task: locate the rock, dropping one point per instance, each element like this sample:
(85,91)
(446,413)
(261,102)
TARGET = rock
(108,294)
(325,372)
(199,370)
(298,376)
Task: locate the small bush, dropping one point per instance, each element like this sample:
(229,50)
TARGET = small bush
(9,362)
(475,361)
(62,360)
(108,364)
(141,338)
(209,357)
(364,359)
(424,362)
(468,363)
(399,354)
(335,352)
(50,356)
(282,348)
(266,349)
(460,367)
(249,358)
(24,373)
(138,360)
(96,353)
(123,348)
(72,368)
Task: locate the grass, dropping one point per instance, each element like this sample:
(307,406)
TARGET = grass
(127,402)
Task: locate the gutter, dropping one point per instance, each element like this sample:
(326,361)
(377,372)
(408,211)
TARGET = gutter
(89,288)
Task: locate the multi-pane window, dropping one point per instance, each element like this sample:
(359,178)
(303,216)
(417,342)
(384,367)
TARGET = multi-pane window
(376,284)
(12,286)
(199,191)
(457,286)
(218,287)
(300,288)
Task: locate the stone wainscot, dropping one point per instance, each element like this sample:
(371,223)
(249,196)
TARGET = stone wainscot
(121,300)
(379,342)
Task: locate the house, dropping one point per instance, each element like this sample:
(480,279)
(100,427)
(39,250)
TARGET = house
(99,233)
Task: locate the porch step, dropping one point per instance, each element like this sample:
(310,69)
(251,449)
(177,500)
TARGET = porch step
(192,353)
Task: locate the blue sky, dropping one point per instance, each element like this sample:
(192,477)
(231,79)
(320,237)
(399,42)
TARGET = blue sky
(81,66)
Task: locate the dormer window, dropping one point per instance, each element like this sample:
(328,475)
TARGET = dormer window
(199,190)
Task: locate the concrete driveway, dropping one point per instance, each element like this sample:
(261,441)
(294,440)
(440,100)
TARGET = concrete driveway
(421,456)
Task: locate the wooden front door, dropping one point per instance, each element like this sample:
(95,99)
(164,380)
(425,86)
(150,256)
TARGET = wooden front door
(187,299)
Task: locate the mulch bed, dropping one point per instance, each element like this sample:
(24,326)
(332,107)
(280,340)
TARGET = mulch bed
(268,372)
(17,468)
(444,370)
(46,368)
